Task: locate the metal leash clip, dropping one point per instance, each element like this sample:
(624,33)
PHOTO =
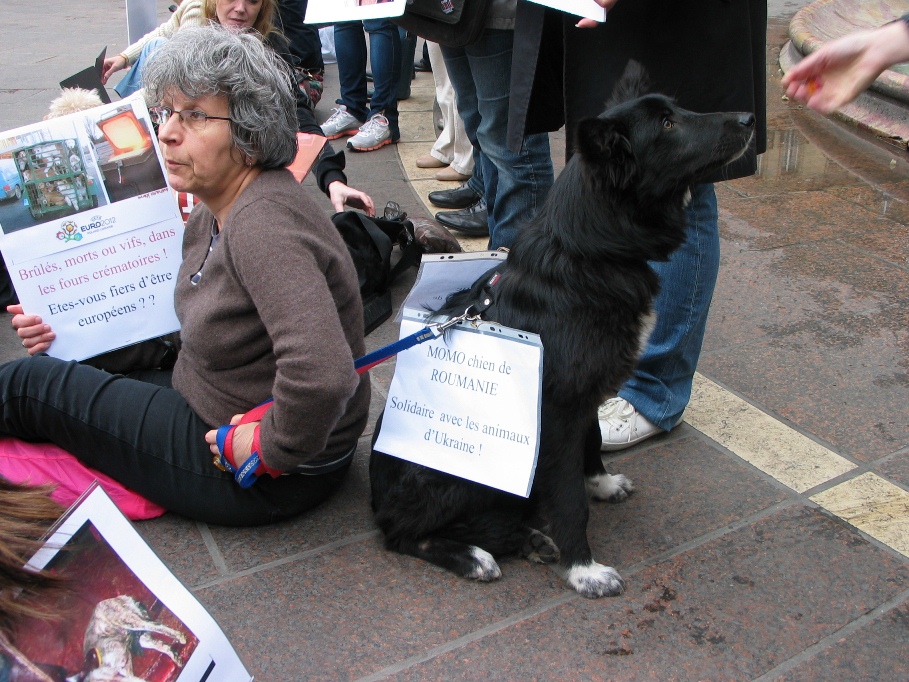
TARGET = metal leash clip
(442,327)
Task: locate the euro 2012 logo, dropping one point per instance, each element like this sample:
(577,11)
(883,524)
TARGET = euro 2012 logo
(69,232)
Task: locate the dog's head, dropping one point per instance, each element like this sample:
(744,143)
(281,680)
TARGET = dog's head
(72,100)
(648,144)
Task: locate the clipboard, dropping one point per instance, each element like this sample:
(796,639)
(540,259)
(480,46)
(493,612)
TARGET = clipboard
(309,147)
(90,78)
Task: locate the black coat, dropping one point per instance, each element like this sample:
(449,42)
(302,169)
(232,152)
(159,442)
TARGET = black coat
(710,55)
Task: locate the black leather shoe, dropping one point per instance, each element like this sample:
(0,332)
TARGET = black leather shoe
(471,221)
(462,197)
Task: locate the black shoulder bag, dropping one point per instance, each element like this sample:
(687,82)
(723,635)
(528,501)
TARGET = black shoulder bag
(370,242)
(453,23)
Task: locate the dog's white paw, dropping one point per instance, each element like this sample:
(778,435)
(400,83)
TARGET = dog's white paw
(609,488)
(595,580)
(486,568)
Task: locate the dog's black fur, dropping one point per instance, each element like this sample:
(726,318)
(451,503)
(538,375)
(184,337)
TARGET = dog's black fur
(578,276)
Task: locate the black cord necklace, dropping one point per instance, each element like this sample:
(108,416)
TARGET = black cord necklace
(195,279)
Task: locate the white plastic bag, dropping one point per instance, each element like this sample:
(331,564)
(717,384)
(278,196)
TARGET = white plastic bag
(327,37)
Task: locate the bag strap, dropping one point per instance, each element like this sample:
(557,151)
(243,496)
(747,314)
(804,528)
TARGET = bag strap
(401,232)
(411,253)
(382,241)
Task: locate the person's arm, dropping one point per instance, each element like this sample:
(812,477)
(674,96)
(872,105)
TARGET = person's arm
(842,69)
(281,269)
(329,166)
(188,14)
(331,180)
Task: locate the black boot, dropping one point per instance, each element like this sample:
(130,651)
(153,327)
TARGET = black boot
(471,221)
(462,197)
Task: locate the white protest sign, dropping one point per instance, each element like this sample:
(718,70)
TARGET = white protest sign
(582,8)
(468,404)
(336,11)
(94,244)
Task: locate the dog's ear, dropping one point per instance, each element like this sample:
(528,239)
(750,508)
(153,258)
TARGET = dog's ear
(604,143)
(633,83)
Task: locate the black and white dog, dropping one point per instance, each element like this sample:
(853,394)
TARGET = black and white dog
(579,277)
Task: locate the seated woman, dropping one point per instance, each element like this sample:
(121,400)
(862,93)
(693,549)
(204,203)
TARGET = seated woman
(268,302)
(134,57)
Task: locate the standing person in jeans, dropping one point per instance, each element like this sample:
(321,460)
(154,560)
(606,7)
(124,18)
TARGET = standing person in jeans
(710,56)
(304,44)
(375,124)
(513,181)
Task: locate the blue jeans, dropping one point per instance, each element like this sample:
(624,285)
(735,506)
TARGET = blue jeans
(515,185)
(132,79)
(661,385)
(408,47)
(385,59)
(143,434)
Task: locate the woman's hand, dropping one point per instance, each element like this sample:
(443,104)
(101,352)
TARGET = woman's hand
(341,195)
(842,69)
(242,439)
(36,336)
(111,66)
(592,23)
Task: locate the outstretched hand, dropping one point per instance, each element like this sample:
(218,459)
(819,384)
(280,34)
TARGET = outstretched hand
(341,195)
(36,336)
(842,69)
(592,23)
(111,66)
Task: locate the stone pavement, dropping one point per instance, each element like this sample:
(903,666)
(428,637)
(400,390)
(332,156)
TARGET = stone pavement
(769,535)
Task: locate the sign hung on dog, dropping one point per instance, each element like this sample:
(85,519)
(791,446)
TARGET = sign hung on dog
(467,404)
(91,234)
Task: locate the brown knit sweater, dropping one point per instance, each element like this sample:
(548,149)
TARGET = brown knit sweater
(277,312)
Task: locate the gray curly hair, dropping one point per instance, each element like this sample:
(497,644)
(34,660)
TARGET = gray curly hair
(213,60)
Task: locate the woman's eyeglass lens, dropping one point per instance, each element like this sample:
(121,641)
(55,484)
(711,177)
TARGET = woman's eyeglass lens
(192,119)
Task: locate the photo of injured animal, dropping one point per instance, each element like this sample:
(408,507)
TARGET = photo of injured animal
(111,625)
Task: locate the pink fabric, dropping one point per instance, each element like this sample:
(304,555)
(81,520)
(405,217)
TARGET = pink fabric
(43,463)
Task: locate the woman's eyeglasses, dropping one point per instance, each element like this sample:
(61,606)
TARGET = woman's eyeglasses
(192,119)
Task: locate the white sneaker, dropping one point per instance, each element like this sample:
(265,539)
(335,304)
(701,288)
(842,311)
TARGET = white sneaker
(375,133)
(621,426)
(340,123)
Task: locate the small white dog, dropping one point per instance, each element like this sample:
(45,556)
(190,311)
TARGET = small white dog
(72,100)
